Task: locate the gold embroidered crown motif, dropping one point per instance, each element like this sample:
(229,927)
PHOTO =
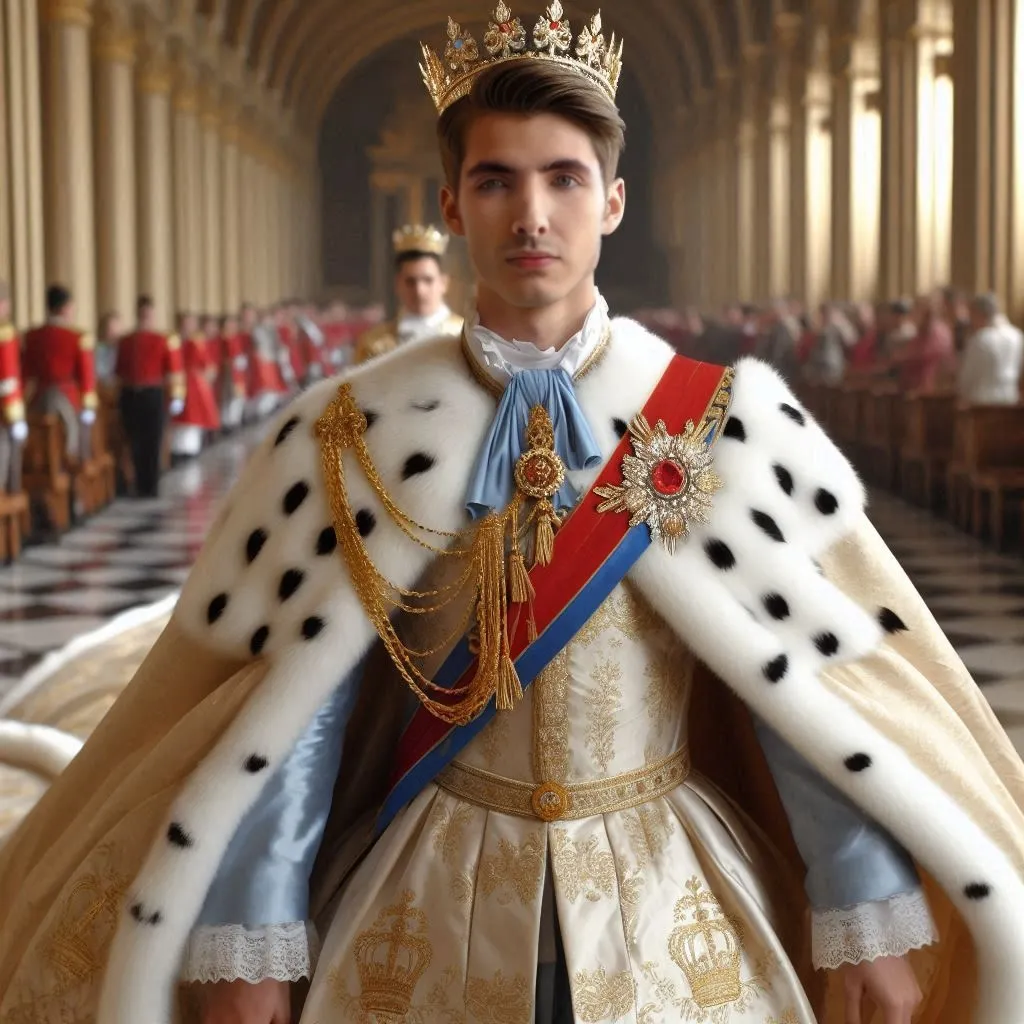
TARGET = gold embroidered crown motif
(450,76)
(706,948)
(420,238)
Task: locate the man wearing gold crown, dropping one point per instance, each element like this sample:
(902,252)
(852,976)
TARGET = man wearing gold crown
(420,287)
(566,762)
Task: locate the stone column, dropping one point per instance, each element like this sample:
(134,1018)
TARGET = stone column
(726,185)
(188,237)
(230,209)
(800,172)
(855,170)
(249,235)
(706,249)
(817,235)
(114,141)
(760,106)
(7,198)
(212,180)
(70,236)
(746,186)
(155,206)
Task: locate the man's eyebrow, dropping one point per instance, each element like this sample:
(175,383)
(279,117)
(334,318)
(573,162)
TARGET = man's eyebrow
(489,167)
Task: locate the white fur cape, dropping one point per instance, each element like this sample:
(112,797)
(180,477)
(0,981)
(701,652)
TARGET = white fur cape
(270,584)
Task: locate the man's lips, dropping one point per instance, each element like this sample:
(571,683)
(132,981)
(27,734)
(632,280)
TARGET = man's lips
(532,260)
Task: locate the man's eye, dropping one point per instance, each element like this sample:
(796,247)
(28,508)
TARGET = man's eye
(489,184)
(565,181)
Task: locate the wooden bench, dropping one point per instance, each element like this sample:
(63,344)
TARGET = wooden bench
(882,427)
(44,477)
(927,448)
(987,464)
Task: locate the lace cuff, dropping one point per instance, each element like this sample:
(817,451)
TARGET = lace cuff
(230,952)
(869,931)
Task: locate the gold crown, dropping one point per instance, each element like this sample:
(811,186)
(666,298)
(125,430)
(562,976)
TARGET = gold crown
(450,77)
(420,238)
(706,950)
(391,959)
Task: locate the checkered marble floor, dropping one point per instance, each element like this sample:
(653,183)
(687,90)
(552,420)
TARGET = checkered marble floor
(135,553)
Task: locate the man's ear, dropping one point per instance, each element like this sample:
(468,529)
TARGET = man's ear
(615,207)
(450,210)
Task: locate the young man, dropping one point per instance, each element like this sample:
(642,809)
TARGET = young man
(150,370)
(576,822)
(60,371)
(420,287)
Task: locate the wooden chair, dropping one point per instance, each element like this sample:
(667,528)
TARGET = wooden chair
(44,476)
(988,464)
(927,447)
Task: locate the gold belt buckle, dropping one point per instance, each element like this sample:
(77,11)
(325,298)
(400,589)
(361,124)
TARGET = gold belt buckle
(550,801)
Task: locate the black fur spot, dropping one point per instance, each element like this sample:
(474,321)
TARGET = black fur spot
(312,626)
(784,477)
(290,582)
(978,890)
(825,502)
(827,643)
(858,762)
(138,912)
(365,522)
(254,545)
(370,416)
(216,607)
(766,523)
(620,427)
(296,495)
(734,428)
(327,541)
(282,434)
(720,554)
(793,413)
(259,639)
(776,606)
(776,668)
(418,463)
(428,406)
(890,621)
(177,836)
(254,764)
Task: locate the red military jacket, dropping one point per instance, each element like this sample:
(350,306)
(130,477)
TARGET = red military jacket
(148,359)
(234,363)
(11,396)
(61,357)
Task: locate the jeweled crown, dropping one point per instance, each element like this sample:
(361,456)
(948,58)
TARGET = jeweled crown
(450,76)
(420,238)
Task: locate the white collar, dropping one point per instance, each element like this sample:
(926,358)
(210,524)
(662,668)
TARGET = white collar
(412,322)
(500,359)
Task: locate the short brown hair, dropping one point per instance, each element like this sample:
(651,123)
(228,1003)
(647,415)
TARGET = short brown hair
(531,86)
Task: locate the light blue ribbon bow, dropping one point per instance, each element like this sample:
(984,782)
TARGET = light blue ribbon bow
(492,483)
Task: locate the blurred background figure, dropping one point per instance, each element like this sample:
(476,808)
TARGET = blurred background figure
(991,367)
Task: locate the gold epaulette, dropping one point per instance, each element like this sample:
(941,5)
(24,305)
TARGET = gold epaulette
(173,342)
(7,333)
(87,341)
(377,341)
(453,324)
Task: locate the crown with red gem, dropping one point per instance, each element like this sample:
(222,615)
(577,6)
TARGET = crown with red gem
(450,76)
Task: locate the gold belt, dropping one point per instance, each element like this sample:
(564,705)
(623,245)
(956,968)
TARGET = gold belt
(553,801)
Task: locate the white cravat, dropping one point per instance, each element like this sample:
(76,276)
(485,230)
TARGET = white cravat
(499,358)
(420,328)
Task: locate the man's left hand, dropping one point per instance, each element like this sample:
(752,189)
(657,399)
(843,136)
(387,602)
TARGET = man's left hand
(889,982)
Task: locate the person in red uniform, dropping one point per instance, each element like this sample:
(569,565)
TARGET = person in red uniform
(149,367)
(232,379)
(293,365)
(60,371)
(200,413)
(210,330)
(11,400)
(266,385)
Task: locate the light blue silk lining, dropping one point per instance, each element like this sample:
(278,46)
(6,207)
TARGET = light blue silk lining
(264,876)
(491,483)
(850,859)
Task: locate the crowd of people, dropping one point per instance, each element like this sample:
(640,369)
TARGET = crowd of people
(176,390)
(942,341)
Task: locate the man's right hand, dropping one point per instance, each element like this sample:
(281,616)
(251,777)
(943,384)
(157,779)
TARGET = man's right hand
(239,1002)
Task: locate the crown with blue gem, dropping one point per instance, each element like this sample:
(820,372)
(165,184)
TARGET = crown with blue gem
(450,76)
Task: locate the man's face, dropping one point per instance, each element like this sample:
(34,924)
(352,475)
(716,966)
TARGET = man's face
(189,325)
(533,206)
(146,317)
(421,286)
(248,319)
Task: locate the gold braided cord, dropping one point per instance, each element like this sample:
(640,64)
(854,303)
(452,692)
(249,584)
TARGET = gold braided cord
(497,389)
(342,427)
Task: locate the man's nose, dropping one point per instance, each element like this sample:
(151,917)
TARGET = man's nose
(532,213)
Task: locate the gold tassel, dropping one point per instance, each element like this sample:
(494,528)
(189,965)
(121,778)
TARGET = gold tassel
(531,627)
(521,585)
(510,690)
(544,540)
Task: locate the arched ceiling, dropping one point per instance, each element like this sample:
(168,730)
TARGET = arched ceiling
(302,50)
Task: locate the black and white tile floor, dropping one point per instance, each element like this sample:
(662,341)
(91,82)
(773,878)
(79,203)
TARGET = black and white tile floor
(135,553)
